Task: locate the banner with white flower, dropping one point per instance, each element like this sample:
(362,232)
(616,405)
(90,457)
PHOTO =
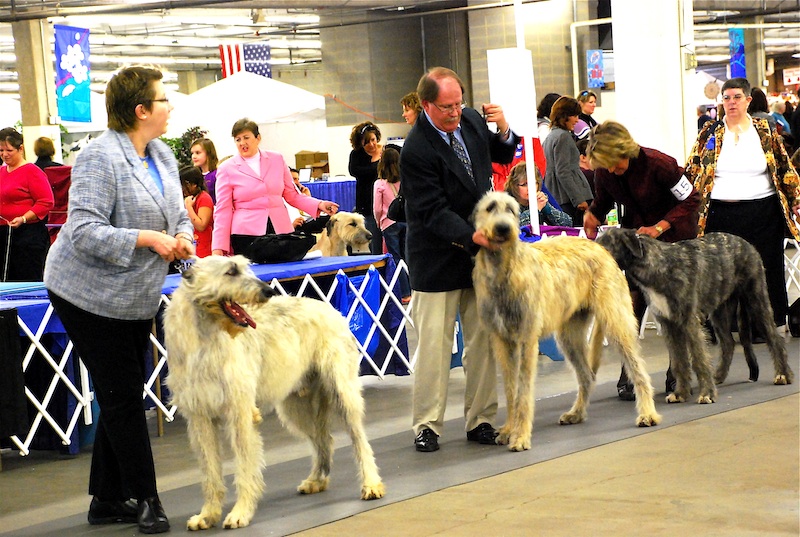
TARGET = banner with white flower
(73,96)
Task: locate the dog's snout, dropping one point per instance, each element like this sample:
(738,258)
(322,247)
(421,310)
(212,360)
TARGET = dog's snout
(502,229)
(267,291)
(369,235)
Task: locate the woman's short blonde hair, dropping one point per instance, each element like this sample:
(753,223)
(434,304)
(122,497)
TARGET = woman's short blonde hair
(411,101)
(610,142)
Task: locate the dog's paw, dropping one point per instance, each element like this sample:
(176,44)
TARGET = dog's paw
(373,491)
(719,378)
(503,435)
(257,418)
(311,486)
(781,380)
(520,444)
(199,522)
(237,519)
(673,398)
(705,399)
(571,418)
(648,420)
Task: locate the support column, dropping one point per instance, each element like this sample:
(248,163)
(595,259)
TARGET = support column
(191,81)
(37,86)
(755,55)
(653,51)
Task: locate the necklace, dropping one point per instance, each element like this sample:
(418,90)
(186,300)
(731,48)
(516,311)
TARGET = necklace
(144,162)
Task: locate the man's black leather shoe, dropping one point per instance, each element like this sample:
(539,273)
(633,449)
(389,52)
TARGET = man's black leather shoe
(483,434)
(152,518)
(112,512)
(426,441)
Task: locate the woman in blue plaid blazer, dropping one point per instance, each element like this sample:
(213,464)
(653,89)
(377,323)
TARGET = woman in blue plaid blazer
(104,273)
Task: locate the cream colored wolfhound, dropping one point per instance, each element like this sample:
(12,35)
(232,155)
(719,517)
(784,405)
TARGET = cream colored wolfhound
(557,285)
(342,230)
(294,354)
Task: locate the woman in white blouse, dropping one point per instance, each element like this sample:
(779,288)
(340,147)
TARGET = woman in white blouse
(748,185)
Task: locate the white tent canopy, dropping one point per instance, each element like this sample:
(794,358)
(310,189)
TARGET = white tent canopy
(290,119)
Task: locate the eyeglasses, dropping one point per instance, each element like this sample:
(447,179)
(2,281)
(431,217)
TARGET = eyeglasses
(738,97)
(449,109)
(164,100)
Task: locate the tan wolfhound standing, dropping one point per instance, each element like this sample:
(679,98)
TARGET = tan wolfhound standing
(294,354)
(558,285)
(342,230)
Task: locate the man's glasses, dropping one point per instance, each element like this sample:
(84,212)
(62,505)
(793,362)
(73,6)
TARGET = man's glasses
(449,109)
(164,100)
(738,97)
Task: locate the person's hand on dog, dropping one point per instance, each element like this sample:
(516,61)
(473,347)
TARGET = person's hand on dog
(328,207)
(653,231)
(480,238)
(590,224)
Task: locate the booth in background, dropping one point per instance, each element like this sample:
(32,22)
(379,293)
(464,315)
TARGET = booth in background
(60,180)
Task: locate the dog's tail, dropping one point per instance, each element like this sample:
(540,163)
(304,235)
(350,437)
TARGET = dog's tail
(596,338)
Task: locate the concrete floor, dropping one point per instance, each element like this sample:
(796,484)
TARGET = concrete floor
(728,469)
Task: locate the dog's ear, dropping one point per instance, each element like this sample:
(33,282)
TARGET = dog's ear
(633,243)
(330,224)
(188,275)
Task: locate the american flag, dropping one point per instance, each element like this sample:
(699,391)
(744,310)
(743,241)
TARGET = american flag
(252,57)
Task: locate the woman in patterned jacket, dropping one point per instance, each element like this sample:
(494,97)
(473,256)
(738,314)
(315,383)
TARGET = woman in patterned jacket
(748,186)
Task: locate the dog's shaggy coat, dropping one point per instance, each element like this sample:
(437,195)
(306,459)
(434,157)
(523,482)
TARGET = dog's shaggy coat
(557,285)
(294,354)
(688,281)
(342,230)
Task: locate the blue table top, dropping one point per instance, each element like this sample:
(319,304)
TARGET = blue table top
(340,190)
(15,294)
(296,269)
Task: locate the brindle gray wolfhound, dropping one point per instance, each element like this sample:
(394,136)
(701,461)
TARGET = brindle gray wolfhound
(557,285)
(688,281)
(342,230)
(294,354)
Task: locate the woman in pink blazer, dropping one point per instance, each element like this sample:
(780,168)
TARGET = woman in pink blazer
(250,189)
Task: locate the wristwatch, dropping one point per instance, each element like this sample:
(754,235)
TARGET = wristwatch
(659,229)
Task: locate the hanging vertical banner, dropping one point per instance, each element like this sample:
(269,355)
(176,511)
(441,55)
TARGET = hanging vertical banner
(595,69)
(738,67)
(73,95)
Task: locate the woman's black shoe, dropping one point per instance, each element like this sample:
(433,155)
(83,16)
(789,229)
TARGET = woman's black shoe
(626,392)
(152,518)
(112,512)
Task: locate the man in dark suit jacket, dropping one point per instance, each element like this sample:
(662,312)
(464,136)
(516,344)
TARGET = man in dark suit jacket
(441,190)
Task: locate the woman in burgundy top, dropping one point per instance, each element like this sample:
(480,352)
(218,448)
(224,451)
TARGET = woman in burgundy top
(656,199)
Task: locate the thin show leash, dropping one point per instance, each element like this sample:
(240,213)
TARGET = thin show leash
(8,249)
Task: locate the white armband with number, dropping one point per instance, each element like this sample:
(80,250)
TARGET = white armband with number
(682,189)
